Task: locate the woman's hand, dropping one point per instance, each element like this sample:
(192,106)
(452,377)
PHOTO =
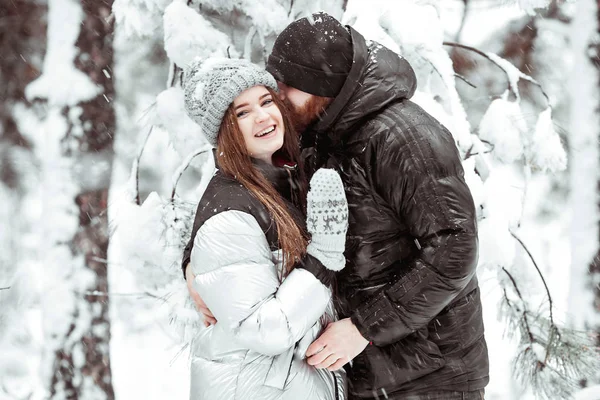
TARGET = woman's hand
(327,219)
(209,318)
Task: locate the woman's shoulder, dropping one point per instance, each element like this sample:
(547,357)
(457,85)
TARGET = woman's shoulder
(223,194)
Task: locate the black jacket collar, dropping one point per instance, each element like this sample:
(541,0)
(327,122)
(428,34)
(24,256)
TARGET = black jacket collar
(284,178)
(377,78)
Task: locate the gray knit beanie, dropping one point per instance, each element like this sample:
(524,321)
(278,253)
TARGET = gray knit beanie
(210,86)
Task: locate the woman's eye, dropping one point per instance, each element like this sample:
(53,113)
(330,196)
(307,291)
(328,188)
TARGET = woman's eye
(241,114)
(267,102)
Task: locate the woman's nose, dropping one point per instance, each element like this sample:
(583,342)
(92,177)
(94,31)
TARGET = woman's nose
(261,115)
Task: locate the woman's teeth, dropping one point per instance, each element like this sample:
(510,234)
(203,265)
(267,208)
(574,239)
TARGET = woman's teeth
(265,132)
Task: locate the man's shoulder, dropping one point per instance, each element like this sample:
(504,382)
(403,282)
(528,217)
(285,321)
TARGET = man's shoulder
(402,122)
(400,115)
(386,127)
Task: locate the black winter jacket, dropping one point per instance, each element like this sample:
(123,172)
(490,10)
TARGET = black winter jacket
(409,284)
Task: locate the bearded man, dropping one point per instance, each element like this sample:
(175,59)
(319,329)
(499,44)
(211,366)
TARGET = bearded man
(408,300)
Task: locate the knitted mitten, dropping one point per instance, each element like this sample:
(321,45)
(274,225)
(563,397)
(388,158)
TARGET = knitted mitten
(327,219)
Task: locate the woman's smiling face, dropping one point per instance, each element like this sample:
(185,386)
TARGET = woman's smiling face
(260,122)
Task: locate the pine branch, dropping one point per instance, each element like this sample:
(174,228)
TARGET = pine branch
(499,65)
(98,293)
(569,358)
(136,166)
(539,85)
(434,68)
(469,154)
(442,77)
(184,165)
(539,273)
(179,353)
(465,80)
(552,360)
(524,312)
(482,54)
(173,74)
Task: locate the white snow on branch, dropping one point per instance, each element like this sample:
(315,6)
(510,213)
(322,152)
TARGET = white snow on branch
(513,74)
(184,134)
(458,125)
(412,24)
(415,31)
(61,83)
(268,16)
(139,228)
(366,21)
(474,182)
(496,247)
(529,6)
(502,205)
(189,35)
(152,237)
(504,190)
(546,150)
(139,18)
(504,126)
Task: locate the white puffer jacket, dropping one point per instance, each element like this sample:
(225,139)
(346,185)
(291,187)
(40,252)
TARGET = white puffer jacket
(257,348)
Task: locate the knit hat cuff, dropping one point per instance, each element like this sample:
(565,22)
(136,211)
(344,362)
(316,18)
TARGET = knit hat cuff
(306,79)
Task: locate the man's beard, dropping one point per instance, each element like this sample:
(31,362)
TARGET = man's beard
(308,113)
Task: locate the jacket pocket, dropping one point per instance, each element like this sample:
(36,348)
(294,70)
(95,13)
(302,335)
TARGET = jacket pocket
(459,326)
(389,367)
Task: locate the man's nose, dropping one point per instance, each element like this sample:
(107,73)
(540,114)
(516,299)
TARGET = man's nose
(282,88)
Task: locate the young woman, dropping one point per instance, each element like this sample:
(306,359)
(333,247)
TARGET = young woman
(251,260)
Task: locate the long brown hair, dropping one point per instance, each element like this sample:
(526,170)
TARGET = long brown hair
(235,161)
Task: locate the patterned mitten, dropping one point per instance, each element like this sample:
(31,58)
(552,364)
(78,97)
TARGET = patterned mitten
(327,219)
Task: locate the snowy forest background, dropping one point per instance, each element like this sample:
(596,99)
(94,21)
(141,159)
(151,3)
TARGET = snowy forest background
(92,302)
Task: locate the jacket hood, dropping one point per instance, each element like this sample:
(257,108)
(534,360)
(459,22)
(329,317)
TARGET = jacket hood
(377,78)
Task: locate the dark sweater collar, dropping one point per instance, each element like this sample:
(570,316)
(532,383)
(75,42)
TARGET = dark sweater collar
(284,177)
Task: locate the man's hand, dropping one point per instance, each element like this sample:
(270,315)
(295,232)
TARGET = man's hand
(209,318)
(339,344)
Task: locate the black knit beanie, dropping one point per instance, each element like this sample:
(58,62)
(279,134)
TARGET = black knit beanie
(313,55)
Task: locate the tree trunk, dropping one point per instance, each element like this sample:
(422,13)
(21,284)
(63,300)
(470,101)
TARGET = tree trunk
(594,53)
(23,36)
(22,46)
(76,154)
(584,164)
